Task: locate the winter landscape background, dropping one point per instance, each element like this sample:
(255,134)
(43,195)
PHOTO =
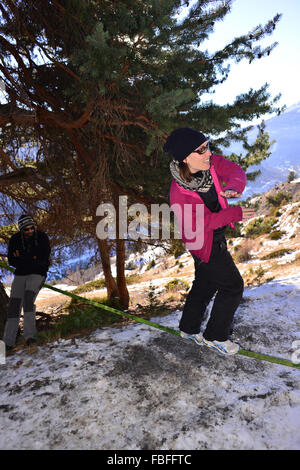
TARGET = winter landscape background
(285,157)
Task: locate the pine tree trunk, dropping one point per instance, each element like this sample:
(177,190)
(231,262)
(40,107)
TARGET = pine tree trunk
(111,286)
(121,279)
(3,309)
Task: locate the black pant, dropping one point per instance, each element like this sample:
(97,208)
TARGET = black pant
(219,275)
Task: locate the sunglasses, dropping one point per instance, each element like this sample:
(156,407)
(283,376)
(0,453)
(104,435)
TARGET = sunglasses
(202,150)
(26,229)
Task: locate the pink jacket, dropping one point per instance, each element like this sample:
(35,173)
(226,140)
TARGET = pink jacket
(222,170)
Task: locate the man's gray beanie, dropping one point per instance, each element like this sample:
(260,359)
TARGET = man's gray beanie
(183,141)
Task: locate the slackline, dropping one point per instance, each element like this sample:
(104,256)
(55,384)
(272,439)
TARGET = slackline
(242,352)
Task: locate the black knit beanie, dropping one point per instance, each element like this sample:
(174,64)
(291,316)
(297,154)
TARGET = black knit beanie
(183,141)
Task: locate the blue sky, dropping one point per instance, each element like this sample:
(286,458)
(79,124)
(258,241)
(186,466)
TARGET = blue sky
(281,69)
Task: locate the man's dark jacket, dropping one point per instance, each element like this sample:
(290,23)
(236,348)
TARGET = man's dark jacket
(37,245)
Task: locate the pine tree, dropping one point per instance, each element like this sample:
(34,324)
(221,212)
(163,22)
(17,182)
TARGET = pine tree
(92,90)
(254,153)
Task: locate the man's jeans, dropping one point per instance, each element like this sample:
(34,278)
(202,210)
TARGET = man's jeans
(24,291)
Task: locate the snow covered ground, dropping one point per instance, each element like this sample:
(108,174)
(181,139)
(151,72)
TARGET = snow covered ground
(136,387)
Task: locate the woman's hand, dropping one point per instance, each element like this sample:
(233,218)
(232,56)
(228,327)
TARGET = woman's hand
(229,193)
(248,213)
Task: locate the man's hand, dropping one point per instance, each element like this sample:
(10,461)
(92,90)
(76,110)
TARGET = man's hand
(16,253)
(229,193)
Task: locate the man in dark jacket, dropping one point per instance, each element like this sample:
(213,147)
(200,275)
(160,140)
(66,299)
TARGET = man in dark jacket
(28,251)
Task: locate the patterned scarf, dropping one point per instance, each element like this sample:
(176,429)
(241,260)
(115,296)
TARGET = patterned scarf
(200,183)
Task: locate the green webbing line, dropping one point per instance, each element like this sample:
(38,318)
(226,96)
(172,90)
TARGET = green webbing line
(243,352)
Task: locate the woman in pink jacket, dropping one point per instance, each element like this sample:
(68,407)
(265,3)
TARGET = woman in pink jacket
(200,203)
